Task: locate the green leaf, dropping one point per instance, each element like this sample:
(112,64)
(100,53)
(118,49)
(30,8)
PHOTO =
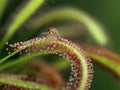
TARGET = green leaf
(7,57)
(20,18)
(17,82)
(18,60)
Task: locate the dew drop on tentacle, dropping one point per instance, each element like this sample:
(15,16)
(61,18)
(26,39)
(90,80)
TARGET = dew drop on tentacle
(7,48)
(7,43)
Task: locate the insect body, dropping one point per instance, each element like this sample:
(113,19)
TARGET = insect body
(53,32)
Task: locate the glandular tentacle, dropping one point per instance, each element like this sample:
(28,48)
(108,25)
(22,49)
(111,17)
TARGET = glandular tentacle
(81,67)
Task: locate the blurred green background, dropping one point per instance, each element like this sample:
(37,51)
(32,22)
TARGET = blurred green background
(108,13)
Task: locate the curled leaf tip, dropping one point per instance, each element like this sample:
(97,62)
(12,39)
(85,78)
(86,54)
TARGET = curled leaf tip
(52,43)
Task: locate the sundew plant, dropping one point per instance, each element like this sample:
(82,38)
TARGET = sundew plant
(51,49)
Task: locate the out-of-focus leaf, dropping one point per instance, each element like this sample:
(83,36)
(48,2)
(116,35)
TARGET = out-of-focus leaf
(76,15)
(3,4)
(47,72)
(17,82)
(20,18)
(105,58)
